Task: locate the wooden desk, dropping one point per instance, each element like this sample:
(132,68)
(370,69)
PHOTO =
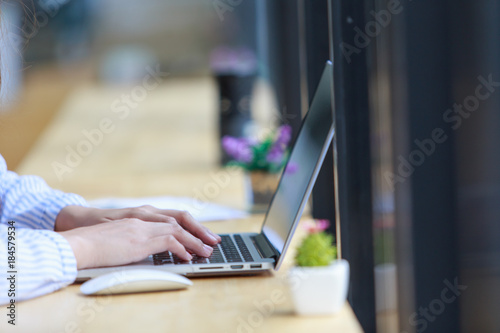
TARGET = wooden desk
(167,147)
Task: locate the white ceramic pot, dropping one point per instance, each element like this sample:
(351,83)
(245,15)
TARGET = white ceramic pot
(319,290)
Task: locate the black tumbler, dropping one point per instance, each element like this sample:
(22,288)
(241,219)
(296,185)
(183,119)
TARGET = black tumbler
(235,93)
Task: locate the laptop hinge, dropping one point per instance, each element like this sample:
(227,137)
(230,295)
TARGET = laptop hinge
(266,250)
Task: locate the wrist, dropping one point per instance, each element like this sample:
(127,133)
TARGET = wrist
(64,220)
(69,217)
(77,245)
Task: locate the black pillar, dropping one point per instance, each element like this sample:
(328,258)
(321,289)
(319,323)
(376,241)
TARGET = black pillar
(354,161)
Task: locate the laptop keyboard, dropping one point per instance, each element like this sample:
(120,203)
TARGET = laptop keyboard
(226,251)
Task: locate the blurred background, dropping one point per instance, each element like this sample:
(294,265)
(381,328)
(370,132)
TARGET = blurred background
(54,49)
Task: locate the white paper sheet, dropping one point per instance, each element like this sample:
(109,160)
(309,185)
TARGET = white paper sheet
(201,211)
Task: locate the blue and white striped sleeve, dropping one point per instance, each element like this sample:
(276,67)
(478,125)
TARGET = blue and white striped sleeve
(29,201)
(45,261)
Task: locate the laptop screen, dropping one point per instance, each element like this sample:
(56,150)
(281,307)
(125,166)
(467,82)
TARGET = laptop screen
(302,169)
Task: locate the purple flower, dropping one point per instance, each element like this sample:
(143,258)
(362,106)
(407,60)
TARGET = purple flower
(284,135)
(268,153)
(314,226)
(275,155)
(239,149)
(277,151)
(322,224)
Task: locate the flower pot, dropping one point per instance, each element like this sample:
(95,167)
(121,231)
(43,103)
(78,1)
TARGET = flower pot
(319,290)
(260,188)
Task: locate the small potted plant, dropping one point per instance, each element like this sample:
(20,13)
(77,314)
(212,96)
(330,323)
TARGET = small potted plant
(262,160)
(319,282)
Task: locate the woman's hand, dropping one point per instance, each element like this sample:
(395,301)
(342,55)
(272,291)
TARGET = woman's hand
(132,234)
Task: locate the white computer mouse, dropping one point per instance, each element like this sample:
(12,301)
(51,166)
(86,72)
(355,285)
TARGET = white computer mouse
(134,281)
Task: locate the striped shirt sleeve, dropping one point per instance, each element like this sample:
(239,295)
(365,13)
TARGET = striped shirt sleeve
(29,201)
(44,261)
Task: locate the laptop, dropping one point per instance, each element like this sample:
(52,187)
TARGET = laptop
(251,253)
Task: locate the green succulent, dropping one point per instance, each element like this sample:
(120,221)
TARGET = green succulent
(316,249)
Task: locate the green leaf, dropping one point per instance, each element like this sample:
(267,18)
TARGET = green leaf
(316,250)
